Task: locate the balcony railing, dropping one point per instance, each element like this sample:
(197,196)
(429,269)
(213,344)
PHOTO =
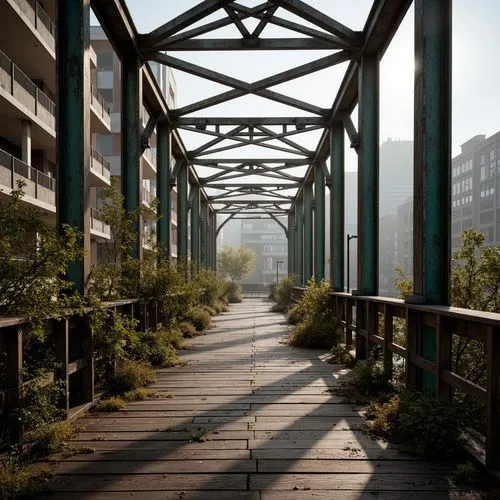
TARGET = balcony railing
(147,196)
(39,20)
(148,154)
(100,164)
(19,86)
(99,103)
(37,184)
(97,223)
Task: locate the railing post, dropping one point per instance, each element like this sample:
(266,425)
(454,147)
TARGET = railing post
(361,324)
(412,340)
(348,322)
(61,334)
(443,357)
(388,339)
(14,346)
(493,398)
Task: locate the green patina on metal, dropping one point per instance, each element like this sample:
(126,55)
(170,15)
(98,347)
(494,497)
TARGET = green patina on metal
(204,234)
(308,231)
(291,243)
(73,87)
(319,222)
(428,352)
(368,175)
(337,201)
(131,140)
(195,224)
(163,189)
(182,213)
(300,242)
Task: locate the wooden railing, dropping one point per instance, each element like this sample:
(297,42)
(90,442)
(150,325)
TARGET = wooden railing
(74,355)
(368,321)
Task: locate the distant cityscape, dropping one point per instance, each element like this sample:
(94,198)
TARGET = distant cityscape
(475,202)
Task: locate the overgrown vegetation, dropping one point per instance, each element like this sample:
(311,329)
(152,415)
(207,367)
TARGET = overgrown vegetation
(420,423)
(312,317)
(234,293)
(282,292)
(235,263)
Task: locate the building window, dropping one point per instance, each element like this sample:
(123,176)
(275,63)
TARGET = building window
(105,61)
(105,144)
(247,225)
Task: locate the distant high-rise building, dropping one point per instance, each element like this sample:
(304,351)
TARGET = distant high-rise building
(268,240)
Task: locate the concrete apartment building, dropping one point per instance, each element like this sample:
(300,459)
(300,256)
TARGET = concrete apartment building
(28,113)
(109,85)
(267,238)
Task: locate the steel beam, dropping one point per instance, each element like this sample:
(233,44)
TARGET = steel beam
(163,152)
(432,170)
(308,231)
(195,224)
(337,207)
(299,246)
(182,213)
(204,234)
(131,150)
(291,242)
(73,127)
(368,175)
(319,222)
(249,121)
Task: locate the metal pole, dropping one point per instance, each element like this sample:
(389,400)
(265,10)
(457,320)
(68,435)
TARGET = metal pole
(349,238)
(368,175)
(308,232)
(300,241)
(163,189)
(195,225)
(319,222)
(73,126)
(131,143)
(337,209)
(182,213)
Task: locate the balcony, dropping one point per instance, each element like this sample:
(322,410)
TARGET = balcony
(100,169)
(97,227)
(38,20)
(149,237)
(147,198)
(148,164)
(39,188)
(23,94)
(101,118)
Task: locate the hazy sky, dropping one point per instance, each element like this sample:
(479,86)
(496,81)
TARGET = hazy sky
(476,72)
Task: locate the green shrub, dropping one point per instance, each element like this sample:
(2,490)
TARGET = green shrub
(139,394)
(367,381)
(315,335)
(220,307)
(210,310)
(129,376)
(48,439)
(109,405)
(234,292)
(213,288)
(199,318)
(420,423)
(342,355)
(187,329)
(315,304)
(282,293)
(22,481)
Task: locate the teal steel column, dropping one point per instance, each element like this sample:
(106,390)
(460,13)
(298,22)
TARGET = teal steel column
(432,151)
(337,207)
(131,152)
(212,228)
(432,159)
(73,127)
(308,231)
(368,175)
(319,222)
(204,234)
(182,213)
(299,215)
(195,225)
(163,158)
(291,242)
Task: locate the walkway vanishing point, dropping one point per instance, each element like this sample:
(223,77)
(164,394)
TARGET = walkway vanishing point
(249,417)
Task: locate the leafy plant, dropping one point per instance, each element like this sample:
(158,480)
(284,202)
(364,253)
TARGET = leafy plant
(109,405)
(234,292)
(130,375)
(315,335)
(235,263)
(199,318)
(420,423)
(282,293)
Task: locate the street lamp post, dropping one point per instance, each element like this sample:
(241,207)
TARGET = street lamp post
(349,238)
(278,262)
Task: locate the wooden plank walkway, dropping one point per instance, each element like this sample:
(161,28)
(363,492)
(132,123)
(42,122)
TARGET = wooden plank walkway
(249,418)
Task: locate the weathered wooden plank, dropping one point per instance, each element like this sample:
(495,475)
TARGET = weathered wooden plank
(165,495)
(103,444)
(374,482)
(330,453)
(157,467)
(150,482)
(314,443)
(164,436)
(369,495)
(156,425)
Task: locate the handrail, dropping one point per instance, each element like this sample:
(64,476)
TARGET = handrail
(100,99)
(359,318)
(21,168)
(105,165)
(40,18)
